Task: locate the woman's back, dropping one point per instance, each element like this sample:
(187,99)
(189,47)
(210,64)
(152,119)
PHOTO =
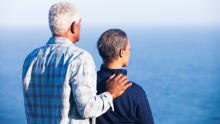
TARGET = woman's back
(130,108)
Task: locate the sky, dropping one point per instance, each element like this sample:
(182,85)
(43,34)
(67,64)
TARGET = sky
(115,12)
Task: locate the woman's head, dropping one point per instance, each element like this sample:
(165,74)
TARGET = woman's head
(114,45)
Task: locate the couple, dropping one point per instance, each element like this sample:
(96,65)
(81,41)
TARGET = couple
(60,82)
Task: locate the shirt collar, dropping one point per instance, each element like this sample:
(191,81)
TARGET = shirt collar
(112,71)
(59,40)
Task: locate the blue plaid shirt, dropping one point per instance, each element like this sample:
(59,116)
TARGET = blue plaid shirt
(59,85)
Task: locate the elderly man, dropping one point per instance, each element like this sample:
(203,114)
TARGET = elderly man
(59,79)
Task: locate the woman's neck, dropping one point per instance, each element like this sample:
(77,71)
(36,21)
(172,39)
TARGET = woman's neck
(114,65)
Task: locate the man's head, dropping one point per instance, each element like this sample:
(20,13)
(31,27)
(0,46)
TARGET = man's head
(113,45)
(64,17)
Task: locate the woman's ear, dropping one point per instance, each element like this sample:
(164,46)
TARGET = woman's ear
(72,27)
(121,52)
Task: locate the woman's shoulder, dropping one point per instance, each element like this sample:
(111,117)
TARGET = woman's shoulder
(136,90)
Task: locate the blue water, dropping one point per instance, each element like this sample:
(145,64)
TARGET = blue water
(178,67)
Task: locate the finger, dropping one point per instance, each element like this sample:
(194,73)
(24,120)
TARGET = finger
(127,85)
(119,76)
(124,77)
(124,82)
(110,77)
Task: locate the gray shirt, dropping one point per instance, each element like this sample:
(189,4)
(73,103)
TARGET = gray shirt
(59,85)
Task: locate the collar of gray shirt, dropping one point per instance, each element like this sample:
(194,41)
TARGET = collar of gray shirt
(59,40)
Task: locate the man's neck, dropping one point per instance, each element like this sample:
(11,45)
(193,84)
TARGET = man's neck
(66,36)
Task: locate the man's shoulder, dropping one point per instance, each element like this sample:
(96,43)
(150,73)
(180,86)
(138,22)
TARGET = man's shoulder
(76,50)
(83,54)
(33,53)
(69,50)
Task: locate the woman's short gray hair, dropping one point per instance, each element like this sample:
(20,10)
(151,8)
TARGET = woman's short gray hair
(61,16)
(111,43)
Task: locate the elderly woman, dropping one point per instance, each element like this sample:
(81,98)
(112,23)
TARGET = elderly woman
(132,107)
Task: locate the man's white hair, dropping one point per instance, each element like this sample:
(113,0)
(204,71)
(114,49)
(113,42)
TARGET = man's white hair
(61,16)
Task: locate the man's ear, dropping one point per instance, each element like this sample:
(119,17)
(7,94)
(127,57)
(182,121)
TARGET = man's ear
(73,27)
(121,52)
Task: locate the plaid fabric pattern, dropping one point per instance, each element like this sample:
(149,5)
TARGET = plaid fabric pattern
(59,85)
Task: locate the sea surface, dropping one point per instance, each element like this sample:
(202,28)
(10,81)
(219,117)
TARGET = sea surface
(177,66)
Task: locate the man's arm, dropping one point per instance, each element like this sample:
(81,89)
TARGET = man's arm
(84,82)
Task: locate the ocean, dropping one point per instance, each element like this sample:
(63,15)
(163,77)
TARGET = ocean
(177,66)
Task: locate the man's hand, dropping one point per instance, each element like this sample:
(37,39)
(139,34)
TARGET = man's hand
(117,85)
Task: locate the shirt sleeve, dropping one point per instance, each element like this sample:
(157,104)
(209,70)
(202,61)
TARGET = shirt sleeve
(84,81)
(143,112)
